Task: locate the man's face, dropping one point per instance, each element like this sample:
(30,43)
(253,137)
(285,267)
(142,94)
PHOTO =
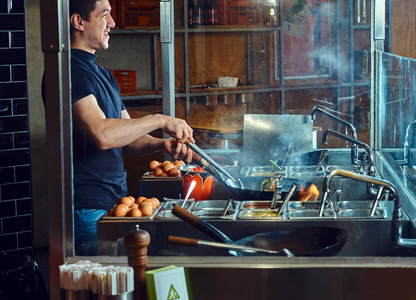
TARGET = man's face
(98,26)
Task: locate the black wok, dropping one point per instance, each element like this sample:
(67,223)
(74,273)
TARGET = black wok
(303,241)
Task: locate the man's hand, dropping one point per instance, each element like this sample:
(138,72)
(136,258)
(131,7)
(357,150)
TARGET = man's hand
(178,129)
(178,150)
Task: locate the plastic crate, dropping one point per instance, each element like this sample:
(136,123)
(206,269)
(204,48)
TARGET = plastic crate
(242,15)
(134,17)
(140,3)
(126,80)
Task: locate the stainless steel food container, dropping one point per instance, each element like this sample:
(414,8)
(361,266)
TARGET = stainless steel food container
(361,214)
(250,205)
(306,172)
(309,210)
(259,214)
(311,214)
(359,209)
(155,211)
(221,209)
(165,211)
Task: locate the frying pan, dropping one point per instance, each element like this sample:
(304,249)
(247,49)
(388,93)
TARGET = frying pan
(303,241)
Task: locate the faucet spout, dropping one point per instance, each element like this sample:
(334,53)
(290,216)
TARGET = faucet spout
(354,148)
(397,219)
(406,149)
(371,167)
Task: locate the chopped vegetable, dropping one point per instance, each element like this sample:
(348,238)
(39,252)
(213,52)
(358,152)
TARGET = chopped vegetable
(275,165)
(271,183)
(198,169)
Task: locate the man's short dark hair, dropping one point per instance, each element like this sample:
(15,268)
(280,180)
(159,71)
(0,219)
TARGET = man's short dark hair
(82,7)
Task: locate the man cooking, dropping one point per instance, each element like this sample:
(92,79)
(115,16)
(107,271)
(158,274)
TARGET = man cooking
(103,129)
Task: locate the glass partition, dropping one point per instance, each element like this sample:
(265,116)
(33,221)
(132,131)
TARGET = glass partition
(395,102)
(287,57)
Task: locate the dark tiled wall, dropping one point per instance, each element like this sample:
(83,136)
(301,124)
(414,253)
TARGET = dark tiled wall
(16,222)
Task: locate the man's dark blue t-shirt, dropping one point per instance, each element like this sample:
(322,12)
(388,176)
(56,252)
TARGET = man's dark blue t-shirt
(99,176)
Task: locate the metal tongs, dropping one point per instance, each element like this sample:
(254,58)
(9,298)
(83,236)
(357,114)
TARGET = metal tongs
(213,167)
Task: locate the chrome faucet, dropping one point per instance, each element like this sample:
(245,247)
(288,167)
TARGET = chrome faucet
(371,166)
(406,149)
(354,148)
(397,218)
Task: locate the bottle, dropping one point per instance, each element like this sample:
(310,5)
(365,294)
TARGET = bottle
(199,13)
(191,13)
(210,11)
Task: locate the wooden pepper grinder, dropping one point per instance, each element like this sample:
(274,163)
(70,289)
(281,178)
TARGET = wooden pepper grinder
(136,243)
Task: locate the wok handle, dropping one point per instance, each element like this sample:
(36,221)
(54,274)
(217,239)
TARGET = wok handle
(201,225)
(182,241)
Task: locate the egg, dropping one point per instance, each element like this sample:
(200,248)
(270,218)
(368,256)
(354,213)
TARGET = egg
(140,199)
(110,213)
(156,200)
(174,172)
(149,201)
(134,205)
(158,171)
(166,162)
(146,210)
(121,210)
(135,213)
(168,166)
(163,175)
(178,163)
(154,164)
(131,198)
(125,200)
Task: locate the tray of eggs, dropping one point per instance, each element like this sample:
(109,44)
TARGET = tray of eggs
(168,170)
(130,207)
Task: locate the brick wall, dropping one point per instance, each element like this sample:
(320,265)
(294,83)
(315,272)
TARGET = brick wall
(16,222)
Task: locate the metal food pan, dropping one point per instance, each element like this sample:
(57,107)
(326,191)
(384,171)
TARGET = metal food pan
(165,214)
(270,168)
(266,171)
(311,214)
(215,204)
(307,205)
(214,214)
(306,172)
(361,214)
(255,205)
(169,203)
(155,211)
(357,204)
(259,214)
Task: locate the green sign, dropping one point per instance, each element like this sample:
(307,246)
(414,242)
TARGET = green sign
(173,294)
